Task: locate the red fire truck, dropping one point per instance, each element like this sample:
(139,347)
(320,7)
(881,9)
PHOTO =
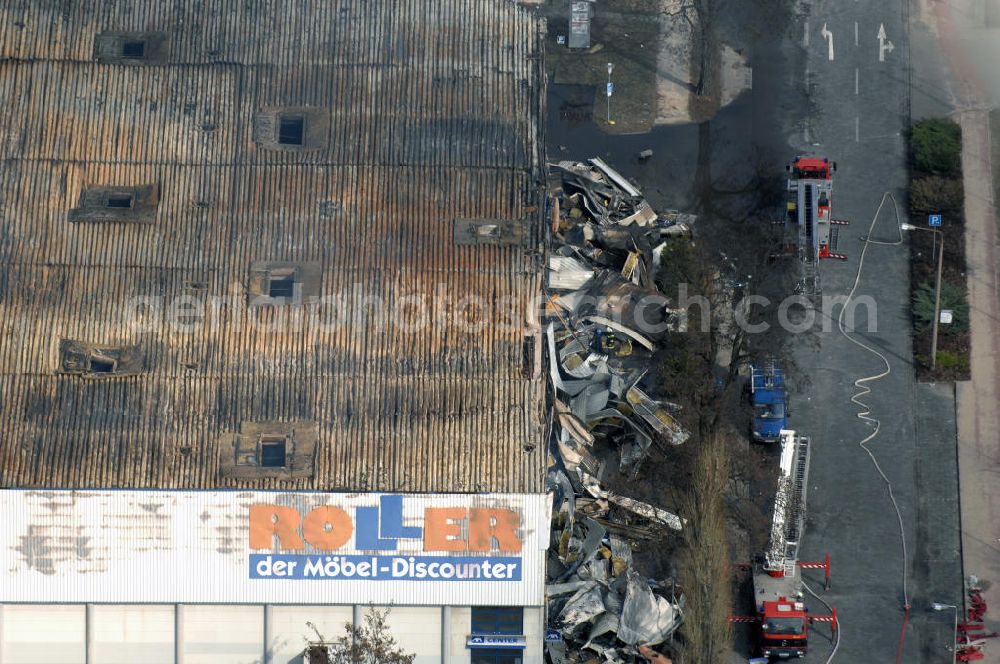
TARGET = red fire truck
(810,207)
(782,619)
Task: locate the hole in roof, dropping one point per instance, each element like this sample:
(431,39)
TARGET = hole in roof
(134,49)
(329,208)
(101,365)
(119,201)
(272,452)
(291,130)
(281,286)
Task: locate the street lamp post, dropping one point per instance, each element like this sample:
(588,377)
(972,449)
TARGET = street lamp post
(937,287)
(954,635)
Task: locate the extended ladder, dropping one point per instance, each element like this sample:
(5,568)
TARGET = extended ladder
(788,521)
(808,248)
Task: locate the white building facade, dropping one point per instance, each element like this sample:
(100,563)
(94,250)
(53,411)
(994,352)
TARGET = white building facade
(251,577)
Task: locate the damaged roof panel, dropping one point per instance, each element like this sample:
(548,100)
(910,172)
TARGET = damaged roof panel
(374,35)
(429,122)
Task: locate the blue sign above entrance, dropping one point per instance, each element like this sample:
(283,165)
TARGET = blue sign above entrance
(495,641)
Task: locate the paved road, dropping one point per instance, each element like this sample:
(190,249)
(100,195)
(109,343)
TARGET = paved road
(862,107)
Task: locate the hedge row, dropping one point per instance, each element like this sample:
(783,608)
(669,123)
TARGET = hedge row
(936,188)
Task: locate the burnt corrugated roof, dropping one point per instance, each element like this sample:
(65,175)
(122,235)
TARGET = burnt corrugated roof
(431,109)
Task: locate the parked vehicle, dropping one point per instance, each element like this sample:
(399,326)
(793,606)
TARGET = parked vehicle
(782,619)
(810,209)
(770,402)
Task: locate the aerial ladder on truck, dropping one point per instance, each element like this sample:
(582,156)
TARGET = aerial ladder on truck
(810,204)
(782,619)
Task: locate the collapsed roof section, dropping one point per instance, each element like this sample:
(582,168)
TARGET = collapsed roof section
(606,314)
(605,320)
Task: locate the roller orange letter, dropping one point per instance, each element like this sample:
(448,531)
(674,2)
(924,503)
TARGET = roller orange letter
(488,524)
(314,528)
(270,521)
(437,530)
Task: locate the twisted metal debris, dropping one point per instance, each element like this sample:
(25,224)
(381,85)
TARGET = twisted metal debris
(605,318)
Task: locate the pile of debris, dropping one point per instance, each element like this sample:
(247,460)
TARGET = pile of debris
(598,604)
(604,318)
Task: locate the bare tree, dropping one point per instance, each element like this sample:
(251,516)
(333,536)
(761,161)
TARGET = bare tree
(717,480)
(705,566)
(368,643)
(700,16)
(710,22)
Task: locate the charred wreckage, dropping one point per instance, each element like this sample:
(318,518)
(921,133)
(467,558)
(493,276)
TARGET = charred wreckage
(604,317)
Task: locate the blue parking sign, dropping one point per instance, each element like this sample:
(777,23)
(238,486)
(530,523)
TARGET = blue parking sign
(611,88)
(933,220)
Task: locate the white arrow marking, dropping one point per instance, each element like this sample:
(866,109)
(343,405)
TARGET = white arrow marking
(828,36)
(883,43)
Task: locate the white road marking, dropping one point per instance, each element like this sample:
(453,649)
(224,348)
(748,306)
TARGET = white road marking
(855,33)
(805,35)
(828,36)
(883,43)
(857,77)
(857,129)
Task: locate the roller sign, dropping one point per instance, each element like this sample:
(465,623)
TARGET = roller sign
(376,542)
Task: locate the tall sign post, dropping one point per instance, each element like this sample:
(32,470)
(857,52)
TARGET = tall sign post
(934,221)
(611,89)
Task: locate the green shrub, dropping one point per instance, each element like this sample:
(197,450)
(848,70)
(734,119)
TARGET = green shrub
(936,195)
(952,297)
(948,360)
(936,146)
